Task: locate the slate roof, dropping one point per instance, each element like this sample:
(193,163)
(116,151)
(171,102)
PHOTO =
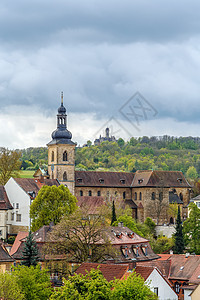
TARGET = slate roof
(4,201)
(103,179)
(34,185)
(109,271)
(159,179)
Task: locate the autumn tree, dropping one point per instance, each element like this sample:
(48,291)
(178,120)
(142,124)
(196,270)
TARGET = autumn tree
(50,205)
(80,237)
(9,164)
(30,252)
(191,229)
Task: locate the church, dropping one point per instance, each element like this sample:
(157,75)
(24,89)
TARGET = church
(147,192)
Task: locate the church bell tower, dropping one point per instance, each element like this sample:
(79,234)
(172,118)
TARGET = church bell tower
(61,152)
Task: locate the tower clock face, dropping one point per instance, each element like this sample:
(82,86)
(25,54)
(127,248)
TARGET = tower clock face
(52,167)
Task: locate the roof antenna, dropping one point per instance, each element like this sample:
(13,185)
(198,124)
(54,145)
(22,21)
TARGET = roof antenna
(61,98)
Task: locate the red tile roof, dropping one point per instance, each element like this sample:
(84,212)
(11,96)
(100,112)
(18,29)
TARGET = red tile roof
(144,271)
(4,201)
(34,185)
(109,271)
(21,235)
(103,179)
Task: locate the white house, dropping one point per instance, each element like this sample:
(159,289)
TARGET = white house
(20,192)
(157,282)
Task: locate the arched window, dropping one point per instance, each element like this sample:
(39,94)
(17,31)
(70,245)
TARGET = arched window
(140,196)
(153,196)
(124,195)
(90,193)
(81,193)
(65,175)
(135,196)
(52,156)
(181,196)
(98,193)
(65,156)
(171,221)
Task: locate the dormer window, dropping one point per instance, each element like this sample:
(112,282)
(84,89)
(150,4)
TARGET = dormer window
(79,179)
(180,180)
(101,180)
(130,234)
(140,181)
(119,235)
(122,181)
(144,249)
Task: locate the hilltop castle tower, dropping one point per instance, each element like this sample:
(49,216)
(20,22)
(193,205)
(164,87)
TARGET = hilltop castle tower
(61,152)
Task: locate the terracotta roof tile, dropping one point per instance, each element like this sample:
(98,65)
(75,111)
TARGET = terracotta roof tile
(144,271)
(21,235)
(109,271)
(34,185)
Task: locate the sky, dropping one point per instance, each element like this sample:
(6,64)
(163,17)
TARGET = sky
(133,66)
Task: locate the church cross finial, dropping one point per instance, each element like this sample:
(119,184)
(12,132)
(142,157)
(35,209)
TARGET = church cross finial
(62,98)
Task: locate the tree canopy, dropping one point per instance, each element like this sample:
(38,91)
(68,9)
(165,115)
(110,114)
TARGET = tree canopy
(94,286)
(9,164)
(179,241)
(191,229)
(50,205)
(9,288)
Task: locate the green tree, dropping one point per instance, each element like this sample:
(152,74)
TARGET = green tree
(9,288)
(133,288)
(151,225)
(114,218)
(34,283)
(51,204)
(161,244)
(120,142)
(9,164)
(179,241)
(129,222)
(192,173)
(191,229)
(30,252)
(92,286)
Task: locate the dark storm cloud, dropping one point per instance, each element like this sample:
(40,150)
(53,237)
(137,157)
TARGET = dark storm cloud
(100,53)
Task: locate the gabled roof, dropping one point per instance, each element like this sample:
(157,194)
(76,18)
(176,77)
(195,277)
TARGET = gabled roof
(34,185)
(144,271)
(103,179)
(109,271)
(4,255)
(18,240)
(159,179)
(4,201)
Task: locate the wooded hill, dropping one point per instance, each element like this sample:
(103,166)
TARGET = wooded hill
(158,153)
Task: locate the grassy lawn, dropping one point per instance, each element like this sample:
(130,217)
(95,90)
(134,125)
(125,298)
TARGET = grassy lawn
(26,174)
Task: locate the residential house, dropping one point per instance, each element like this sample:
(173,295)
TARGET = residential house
(6,261)
(152,276)
(183,271)
(21,192)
